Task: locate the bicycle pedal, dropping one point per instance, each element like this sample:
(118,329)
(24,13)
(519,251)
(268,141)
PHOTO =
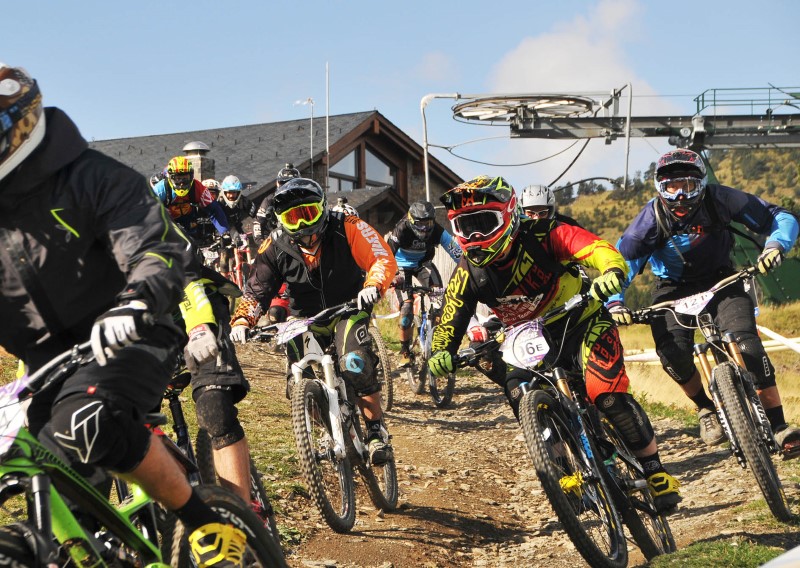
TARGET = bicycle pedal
(791,451)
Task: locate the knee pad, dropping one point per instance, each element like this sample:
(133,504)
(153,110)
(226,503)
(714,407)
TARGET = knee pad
(406,315)
(627,417)
(358,368)
(276,314)
(756,360)
(677,362)
(98,432)
(218,415)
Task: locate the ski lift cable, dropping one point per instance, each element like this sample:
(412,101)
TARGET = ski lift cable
(449,150)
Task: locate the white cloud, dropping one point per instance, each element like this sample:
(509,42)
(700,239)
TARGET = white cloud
(588,54)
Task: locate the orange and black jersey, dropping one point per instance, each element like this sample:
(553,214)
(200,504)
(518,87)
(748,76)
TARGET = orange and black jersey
(536,269)
(333,274)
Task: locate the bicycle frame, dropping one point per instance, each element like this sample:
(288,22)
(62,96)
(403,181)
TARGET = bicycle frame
(26,466)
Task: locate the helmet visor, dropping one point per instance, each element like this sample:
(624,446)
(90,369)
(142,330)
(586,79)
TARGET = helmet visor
(477,225)
(305,214)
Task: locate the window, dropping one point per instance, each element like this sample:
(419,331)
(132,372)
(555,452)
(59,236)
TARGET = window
(378,171)
(343,175)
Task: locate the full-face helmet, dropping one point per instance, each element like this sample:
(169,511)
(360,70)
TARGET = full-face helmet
(212,186)
(22,122)
(421,218)
(180,174)
(286,173)
(485,217)
(538,202)
(231,190)
(680,180)
(301,209)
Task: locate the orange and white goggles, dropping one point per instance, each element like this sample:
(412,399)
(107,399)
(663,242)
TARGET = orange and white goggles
(296,217)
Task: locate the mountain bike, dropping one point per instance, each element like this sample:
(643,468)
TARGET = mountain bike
(68,522)
(417,374)
(592,480)
(326,421)
(737,403)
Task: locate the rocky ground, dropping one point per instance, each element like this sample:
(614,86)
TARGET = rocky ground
(470,497)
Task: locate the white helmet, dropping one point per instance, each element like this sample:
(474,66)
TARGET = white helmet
(231,190)
(539,196)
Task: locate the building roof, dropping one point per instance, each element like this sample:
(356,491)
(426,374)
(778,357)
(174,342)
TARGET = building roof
(253,152)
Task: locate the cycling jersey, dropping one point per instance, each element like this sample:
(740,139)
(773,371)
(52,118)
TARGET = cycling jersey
(698,250)
(348,249)
(240,211)
(411,252)
(188,209)
(535,271)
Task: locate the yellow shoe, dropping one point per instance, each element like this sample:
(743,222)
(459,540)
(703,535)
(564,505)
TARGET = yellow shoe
(217,545)
(664,489)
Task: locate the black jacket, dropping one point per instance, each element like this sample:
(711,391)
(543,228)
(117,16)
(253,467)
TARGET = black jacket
(78,228)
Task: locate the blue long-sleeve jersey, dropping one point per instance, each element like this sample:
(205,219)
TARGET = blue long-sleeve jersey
(700,247)
(412,252)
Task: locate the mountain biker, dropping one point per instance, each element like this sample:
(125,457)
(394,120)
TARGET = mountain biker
(684,233)
(188,201)
(218,382)
(212,185)
(237,208)
(322,257)
(265,216)
(539,204)
(88,255)
(413,241)
(521,273)
(343,207)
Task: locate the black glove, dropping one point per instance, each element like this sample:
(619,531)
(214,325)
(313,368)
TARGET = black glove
(226,239)
(117,328)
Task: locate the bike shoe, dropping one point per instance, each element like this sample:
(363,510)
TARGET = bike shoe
(710,429)
(218,545)
(380,452)
(664,489)
(405,359)
(789,442)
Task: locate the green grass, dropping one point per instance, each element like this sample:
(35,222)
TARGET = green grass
(731,552)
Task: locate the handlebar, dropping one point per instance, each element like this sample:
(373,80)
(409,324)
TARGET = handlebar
(470,355)
(58,369)
(643,315)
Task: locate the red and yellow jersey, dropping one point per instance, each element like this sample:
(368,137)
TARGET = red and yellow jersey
(537,276)
(351,255)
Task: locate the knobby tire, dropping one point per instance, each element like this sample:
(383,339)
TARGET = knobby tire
(441,388)
(384,368)
(743,426)
(330,479)
(589,519)
(262,549)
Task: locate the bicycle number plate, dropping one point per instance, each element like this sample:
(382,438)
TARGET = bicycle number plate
(210,254)
(12,412)
(525,346)
(290,329)
(693,305)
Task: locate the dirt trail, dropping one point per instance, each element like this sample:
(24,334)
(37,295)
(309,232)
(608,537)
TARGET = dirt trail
(469,495)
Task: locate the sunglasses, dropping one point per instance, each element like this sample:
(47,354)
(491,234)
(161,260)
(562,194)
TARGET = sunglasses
(306,214)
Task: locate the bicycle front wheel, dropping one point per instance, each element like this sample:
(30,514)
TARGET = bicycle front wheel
(649,528)
(329,478)
(743,426)
(441,388)
(384,368)
(261,551)
(572,482)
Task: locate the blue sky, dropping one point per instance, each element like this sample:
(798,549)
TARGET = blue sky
(151,67)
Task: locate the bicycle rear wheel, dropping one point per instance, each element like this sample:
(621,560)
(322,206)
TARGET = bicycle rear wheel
(330,478)
(262,550)
(743,426)
(649,529)
(572,482)
(15,550)
(384,368)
